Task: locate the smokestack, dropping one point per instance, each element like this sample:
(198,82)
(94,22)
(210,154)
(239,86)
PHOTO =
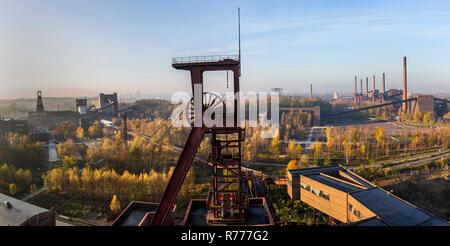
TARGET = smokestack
(361,87)
(367,85)
(356,88)
(373,92)
(405,88)
(310,93)
(384,89)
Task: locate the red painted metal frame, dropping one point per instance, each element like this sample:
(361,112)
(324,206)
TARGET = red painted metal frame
(264,202)
(178,175)
(196,68)
(139,202)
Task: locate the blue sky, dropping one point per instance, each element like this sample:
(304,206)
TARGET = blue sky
(83,47)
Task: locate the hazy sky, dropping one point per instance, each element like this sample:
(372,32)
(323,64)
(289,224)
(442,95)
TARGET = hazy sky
(83,47)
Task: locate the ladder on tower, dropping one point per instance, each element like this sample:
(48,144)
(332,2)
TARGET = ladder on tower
(228,198)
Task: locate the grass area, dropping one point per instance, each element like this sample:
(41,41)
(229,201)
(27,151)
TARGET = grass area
(430,194)
(269,170)
(295,212)
(67,207)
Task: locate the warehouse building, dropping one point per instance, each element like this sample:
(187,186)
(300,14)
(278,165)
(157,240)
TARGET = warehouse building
(349,198)
(14,212)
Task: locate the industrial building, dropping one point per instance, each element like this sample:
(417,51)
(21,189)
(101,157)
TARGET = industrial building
(14,212)
(403,99)
(13,125)
(43,121)
(349,198)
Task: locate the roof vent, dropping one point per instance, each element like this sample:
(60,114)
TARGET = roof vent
(7,204)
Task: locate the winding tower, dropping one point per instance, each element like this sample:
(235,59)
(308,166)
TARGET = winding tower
(227,199)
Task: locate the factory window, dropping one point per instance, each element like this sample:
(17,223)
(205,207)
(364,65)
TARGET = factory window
(305,186)
(324,195)
(315,191)
(355,212)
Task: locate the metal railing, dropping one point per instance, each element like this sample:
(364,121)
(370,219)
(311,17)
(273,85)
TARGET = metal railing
(201,59)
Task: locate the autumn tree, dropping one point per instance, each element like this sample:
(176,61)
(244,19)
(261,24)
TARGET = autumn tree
(67,148)
(318,149)
(13,189)
(21,151)
(22,179)
(291,149)
(428,118)
(418,116)
(65,130)
(363,149)
(275,145)
(293,164)
(379,134)
(81,133)
(115,205)
(96,130)
(33,188)
(347,149)
(205,147)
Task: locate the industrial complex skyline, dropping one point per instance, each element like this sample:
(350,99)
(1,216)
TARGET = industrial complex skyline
(74,48)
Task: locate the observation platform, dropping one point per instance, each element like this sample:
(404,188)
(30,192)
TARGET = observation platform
(210,63)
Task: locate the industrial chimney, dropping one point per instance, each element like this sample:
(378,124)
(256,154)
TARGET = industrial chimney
(367,87)
(373,91)
(405,88)
(384,85)
(310,93)
(361,87)
(356,89)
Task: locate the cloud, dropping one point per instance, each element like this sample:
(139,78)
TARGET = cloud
(332,21)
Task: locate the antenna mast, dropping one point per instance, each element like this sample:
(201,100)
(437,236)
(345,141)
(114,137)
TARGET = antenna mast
(239,30)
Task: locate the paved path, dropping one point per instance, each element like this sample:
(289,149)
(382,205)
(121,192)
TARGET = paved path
(418,162)
(403,162)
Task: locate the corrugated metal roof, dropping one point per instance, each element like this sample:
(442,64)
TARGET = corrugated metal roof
(315,170)
(333,183)
(19,212)
(370,222)
(435,222)
(390,208)
(358,179)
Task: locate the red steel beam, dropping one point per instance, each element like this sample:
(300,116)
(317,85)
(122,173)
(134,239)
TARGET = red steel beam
(178,175)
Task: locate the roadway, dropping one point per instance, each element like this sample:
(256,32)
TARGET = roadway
(404,162)
(407,162)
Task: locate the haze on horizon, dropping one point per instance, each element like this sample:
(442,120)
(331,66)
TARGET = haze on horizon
(83,47)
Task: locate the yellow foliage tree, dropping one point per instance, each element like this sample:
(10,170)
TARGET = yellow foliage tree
(318,148)
(115,205)
(80,132)
(13,189)
(293,164)
(428,118)
(275,145)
